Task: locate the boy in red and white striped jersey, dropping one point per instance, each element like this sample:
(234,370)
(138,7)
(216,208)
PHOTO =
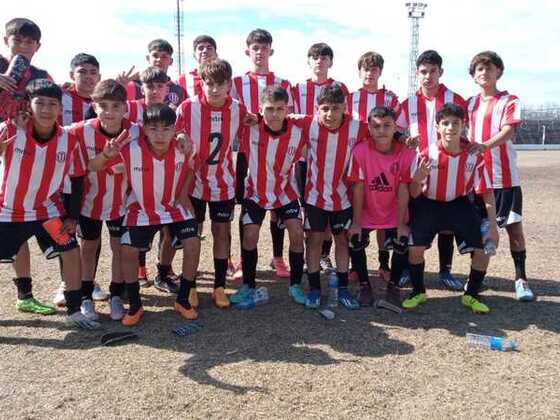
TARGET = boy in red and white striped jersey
(493,119)
(157,174)
(418,114)
(155,87)
(204,50)
(440,179)
(266,159)
(248,90)
(213,120)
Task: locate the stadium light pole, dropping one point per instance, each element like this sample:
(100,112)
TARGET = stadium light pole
(179,33)
(416,11)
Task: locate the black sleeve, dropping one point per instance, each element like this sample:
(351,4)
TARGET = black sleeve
(241,169)
(75,202)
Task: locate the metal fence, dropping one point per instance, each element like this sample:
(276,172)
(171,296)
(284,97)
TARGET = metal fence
(539,126)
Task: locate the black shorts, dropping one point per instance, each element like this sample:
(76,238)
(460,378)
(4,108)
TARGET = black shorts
(460,216)
(20,232)
(317,220)
(141,236)
(253,214)
(90,229)
(220,211)
(509,206)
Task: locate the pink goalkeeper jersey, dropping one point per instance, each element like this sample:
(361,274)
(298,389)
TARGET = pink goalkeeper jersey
(381,174)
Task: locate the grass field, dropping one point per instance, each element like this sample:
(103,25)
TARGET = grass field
(281,361)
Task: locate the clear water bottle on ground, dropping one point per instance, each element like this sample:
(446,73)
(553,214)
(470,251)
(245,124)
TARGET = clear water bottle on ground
(491,342)
(489,246)
(333,290)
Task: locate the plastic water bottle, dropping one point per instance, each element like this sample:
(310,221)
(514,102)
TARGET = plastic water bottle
(491,342)
(333,290)
(489,246)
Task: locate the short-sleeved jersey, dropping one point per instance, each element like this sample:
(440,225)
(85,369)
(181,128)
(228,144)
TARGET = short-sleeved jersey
(154,183)
(361,102)
(452,176)
(329,153)
(486,118)
(212,130)
(305,95)
(381,173)
(247,89)
(418,114)
(135,111)
(191,83)
(32,174)
(175,96)
(104,190)
(75,108)
(271,157)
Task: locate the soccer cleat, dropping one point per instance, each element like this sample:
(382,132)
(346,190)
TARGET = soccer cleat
(143,279)
(297,294)
(450,282)
(346,299)
(405,278)
(248,301)
(187,313)
(193,297)
(98,293)
(523,292)
(325,263)
(59,298)
(280,267)
(476,306)
(77,319)
(240,295)
(32,305)
(231,268)
(414,301)
(88,310)
(383,274)
(313,299)
(117,308)
(366,295)
(353,277)
(238,274)
(220,299)
(166,284)
(131,320)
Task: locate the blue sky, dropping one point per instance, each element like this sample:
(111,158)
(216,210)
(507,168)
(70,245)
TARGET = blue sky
(525,34)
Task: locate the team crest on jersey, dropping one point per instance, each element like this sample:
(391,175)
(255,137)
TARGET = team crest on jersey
(173,98)
(178,166)
(470,166)
(394,169)
(291,150)
(61,157)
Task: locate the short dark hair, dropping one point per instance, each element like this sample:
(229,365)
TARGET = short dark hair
(109,89)
(43,87)
(154,74)
(332,94)
(81,59)
(204,38)
(275,94)
(370,59)
(429,57)
(260,36)
(381,112)
(450,110)
(159,113)
(486,57)
(160,45)
(23,27)
(217,70)
(319,49)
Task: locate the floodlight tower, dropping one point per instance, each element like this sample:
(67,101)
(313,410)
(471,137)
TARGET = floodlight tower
(179,29)
(416,11)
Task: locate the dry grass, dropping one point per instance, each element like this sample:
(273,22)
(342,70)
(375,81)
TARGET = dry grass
(282,361)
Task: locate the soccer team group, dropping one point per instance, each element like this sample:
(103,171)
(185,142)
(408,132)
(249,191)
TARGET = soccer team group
(144,155)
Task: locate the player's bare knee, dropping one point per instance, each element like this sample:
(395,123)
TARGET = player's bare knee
(480,260)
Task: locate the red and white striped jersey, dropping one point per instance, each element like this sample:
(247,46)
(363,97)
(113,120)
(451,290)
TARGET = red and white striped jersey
(32,174)
(486,119)
(74,107)
(270,179)
(104,190)
(452,176)
(329,154)
(135,112)
(418,114)
(306,93)
(154,183)
(247,89)
(361,102)
(190,82)
(212,131)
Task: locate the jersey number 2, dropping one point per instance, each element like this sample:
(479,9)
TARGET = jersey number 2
(215,141)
